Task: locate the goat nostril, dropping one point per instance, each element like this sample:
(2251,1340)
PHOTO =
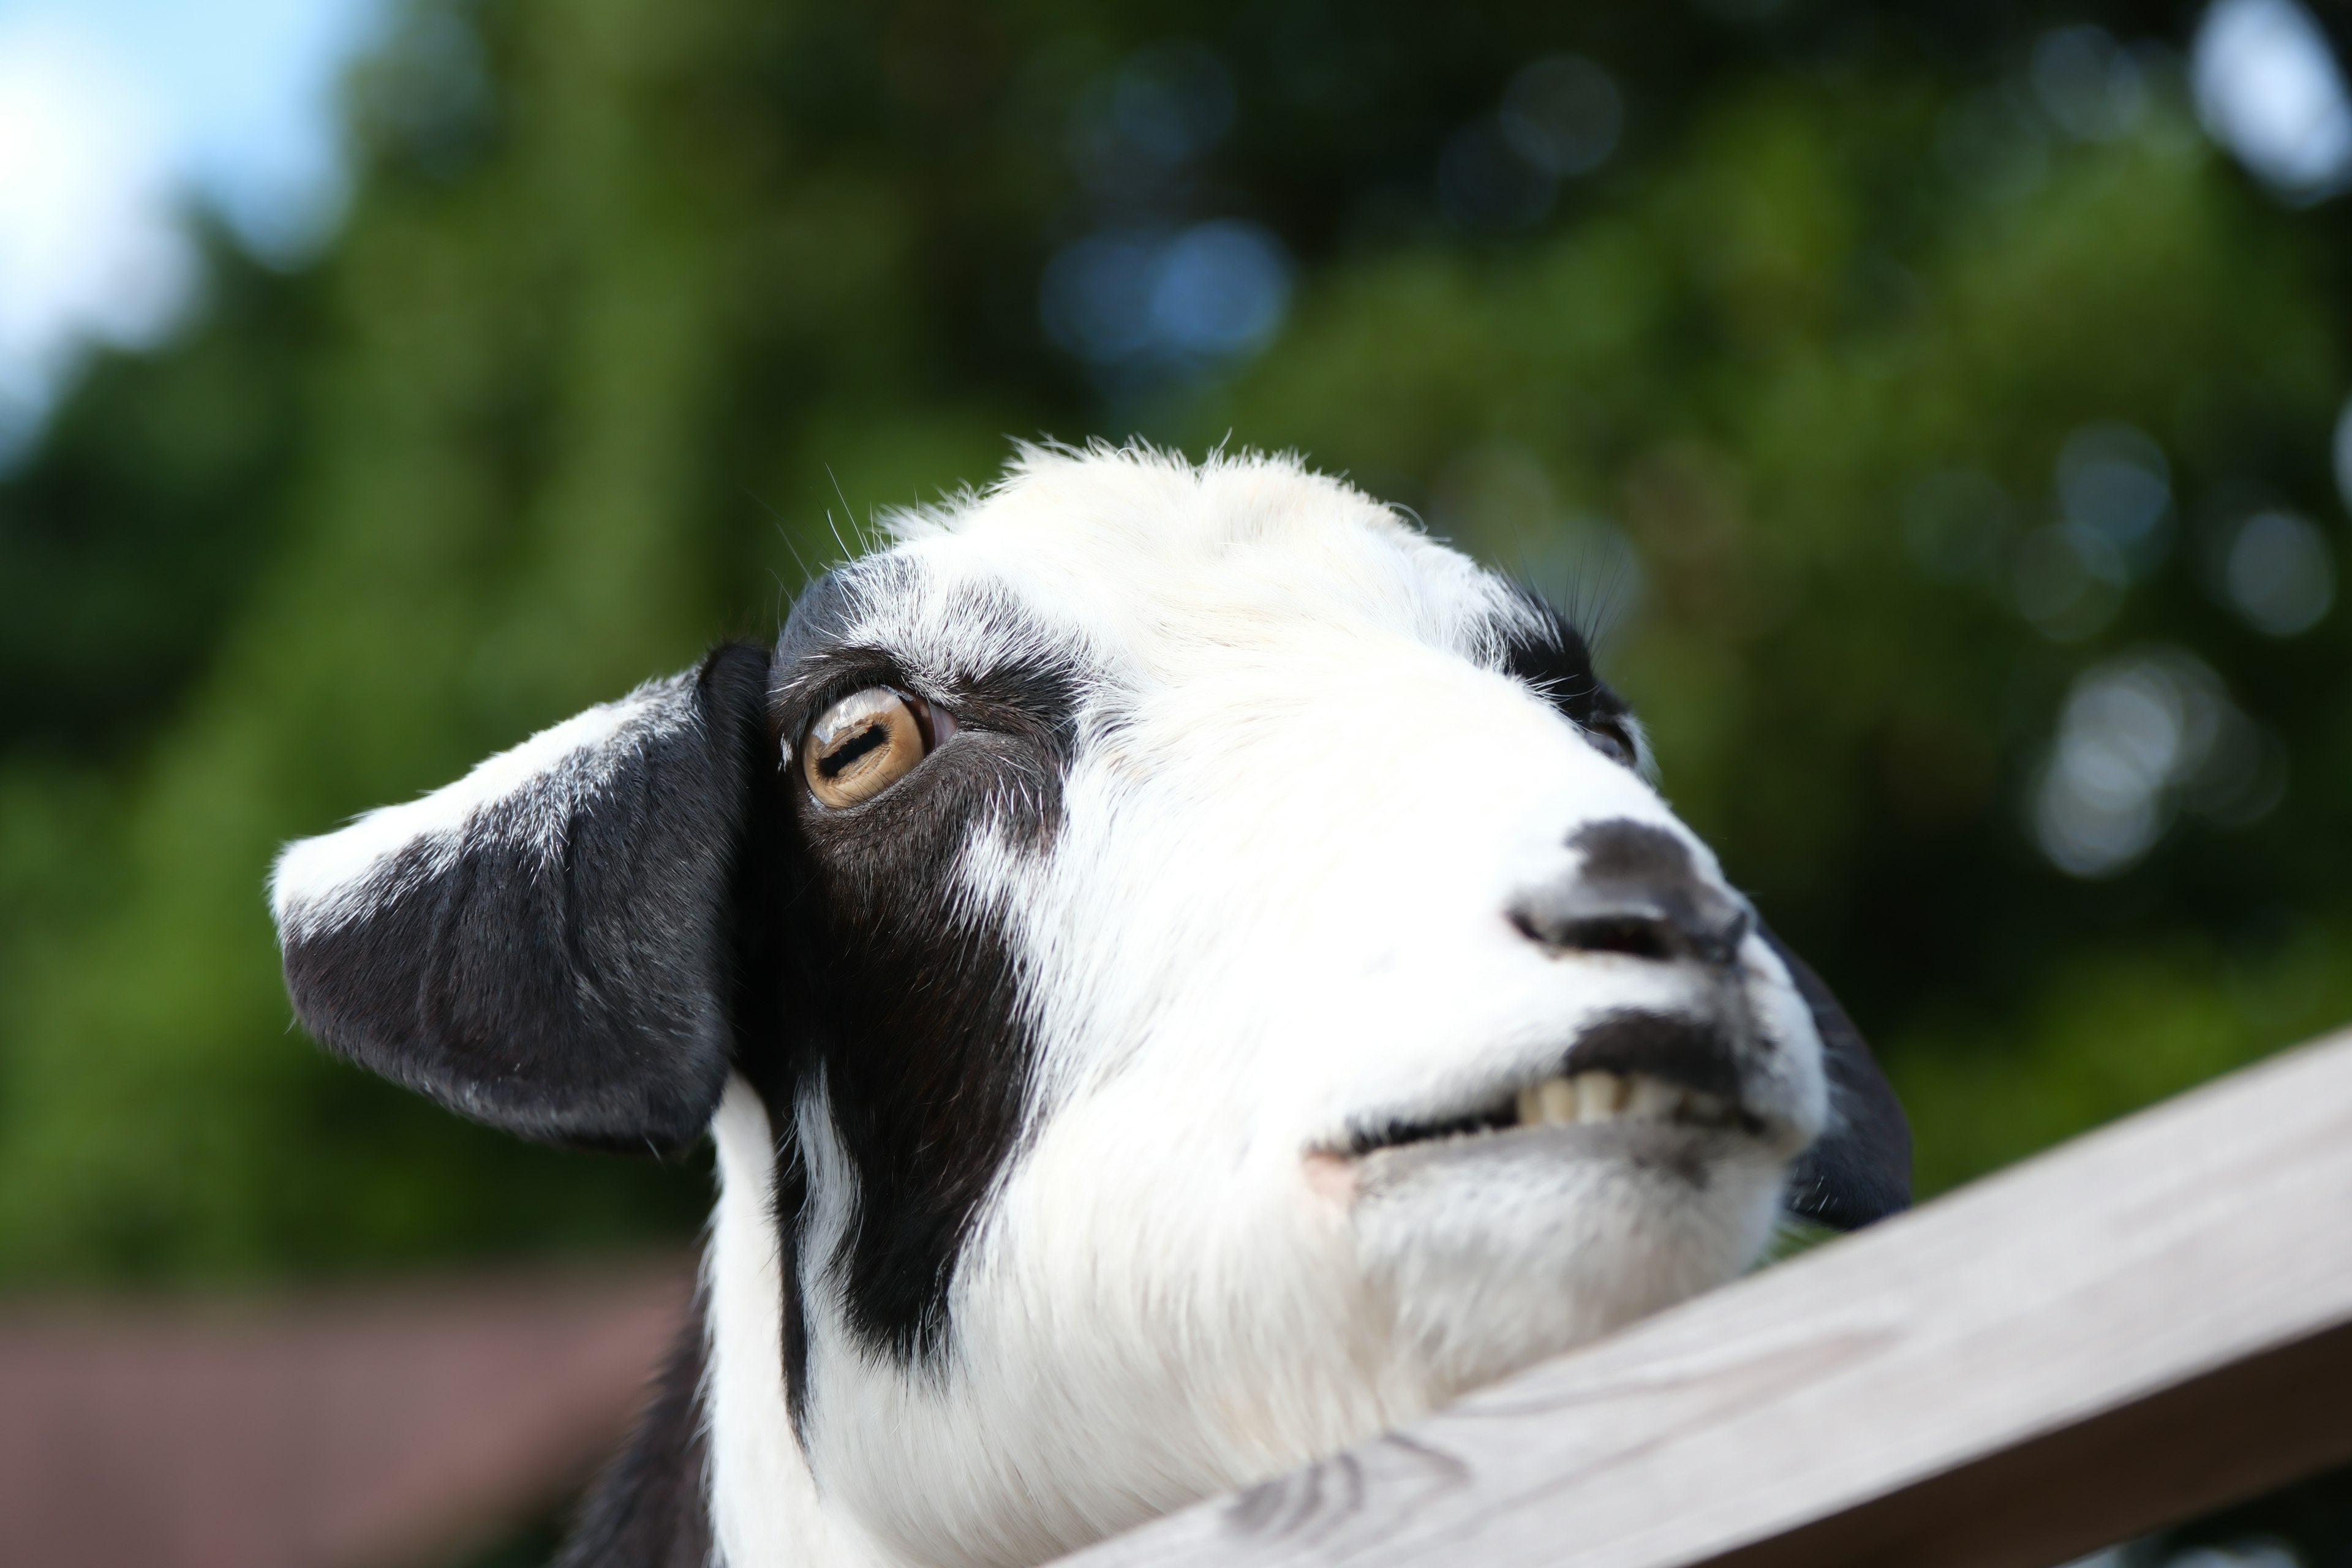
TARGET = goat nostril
(1636,892)
(1659,938)
(1696,924)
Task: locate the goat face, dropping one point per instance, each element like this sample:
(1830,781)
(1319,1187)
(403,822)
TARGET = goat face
(1195,974)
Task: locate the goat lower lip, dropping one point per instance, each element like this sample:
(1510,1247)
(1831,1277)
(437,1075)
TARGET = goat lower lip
(1578,1099)
(1632,1064)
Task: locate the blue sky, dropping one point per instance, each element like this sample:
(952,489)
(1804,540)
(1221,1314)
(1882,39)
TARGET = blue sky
(115,116)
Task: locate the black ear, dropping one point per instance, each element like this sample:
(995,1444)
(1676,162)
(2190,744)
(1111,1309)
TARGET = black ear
(1859,1170)
(544,945)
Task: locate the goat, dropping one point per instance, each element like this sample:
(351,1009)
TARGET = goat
(1183,973)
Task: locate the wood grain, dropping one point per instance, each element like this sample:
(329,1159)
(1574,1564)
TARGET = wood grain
(2145,1322)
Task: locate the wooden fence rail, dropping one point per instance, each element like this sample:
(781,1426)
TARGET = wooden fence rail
(2143,1324)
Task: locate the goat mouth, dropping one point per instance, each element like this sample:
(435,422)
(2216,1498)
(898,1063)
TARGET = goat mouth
(1633,1068)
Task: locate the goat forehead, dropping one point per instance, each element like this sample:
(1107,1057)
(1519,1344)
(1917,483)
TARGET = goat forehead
(1152,569)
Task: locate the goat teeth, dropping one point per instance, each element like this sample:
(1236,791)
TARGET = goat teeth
(1598,1096)
(1654,1101)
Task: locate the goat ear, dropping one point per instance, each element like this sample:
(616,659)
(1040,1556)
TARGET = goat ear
(545,945)
(1859,1170)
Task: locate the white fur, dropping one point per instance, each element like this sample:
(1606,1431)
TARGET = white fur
(1273,908)
(319,883)
(766,1503)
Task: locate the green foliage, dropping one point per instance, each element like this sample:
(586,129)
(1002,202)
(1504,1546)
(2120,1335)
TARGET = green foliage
(641,303)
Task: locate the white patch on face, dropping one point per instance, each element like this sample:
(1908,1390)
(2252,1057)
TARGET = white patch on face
(1273,915)
(323,882)
(765,1506)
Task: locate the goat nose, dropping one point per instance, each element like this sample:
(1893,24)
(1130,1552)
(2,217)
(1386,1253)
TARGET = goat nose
(1637,892)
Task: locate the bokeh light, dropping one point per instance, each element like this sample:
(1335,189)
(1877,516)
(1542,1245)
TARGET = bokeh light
(1562,114)
(2268,88)
(2139,737)
(2280,573)
(2088,84)
(2112,480)
(1213,293)
(2341,450)
(2068,580)
(1560,117)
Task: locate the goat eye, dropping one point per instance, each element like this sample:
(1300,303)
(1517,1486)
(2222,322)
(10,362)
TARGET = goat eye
(862,746)
(1611,737)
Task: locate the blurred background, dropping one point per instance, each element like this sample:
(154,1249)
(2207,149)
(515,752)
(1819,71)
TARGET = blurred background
(1938,411)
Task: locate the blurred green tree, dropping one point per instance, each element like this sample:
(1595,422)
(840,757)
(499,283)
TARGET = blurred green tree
(1903,415)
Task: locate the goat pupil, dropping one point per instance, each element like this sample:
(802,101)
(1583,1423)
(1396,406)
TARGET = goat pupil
(831,764)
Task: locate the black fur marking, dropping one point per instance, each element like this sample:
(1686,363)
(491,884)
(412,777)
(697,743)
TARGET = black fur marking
(925,1050)
(1659,1045)
(578,998)
(907,1005)
(1860,1170)
(792,1222)
(766,1008)
(648,1509)
(1632,854)
(1553,656)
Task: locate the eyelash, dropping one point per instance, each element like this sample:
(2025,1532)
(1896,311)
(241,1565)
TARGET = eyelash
(1605,727)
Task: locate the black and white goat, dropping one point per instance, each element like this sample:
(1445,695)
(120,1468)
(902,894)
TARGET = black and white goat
(1183,973)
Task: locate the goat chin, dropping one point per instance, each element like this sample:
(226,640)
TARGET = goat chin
(1442,1272)
(1500,1258)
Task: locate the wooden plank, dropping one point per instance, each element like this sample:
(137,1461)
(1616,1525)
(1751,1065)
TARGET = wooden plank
(2150,1321)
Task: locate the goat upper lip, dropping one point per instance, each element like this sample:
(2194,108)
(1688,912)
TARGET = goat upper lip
(1633,1066)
